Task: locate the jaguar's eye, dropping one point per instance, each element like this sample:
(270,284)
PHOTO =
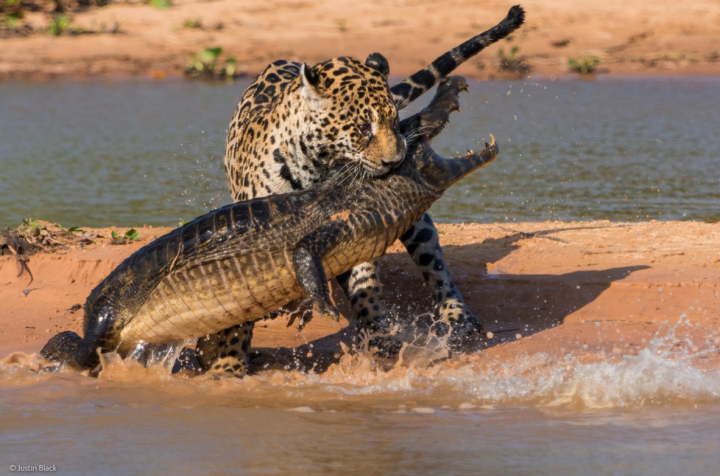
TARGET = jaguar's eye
(365,130)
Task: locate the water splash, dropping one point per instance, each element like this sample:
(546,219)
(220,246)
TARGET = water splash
(663,373)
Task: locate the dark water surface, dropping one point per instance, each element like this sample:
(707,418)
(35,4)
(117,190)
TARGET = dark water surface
(132,153)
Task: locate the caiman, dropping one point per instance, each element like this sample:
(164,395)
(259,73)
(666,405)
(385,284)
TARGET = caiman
(242,261)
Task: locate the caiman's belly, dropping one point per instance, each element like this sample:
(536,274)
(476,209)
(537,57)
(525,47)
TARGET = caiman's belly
(195,301)
(198,300)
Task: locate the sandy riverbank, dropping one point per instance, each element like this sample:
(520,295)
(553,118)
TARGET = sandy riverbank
(661,37)
(597,290)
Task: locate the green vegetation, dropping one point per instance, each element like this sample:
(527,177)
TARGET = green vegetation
(11,19)
(160,4)
(181,223)
(230,70)
(10,13)
(205,62)
(129,236)
(204,65)
(30,225)
(513,63)
(71,230)
(59,25)
(586,65)
(13,13)
(36,233)
(191,23)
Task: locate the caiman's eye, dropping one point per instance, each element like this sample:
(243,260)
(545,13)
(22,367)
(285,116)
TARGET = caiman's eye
(365,130)
(396,124)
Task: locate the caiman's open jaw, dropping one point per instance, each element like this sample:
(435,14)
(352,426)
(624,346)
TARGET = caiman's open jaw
(432,120)
(461,85)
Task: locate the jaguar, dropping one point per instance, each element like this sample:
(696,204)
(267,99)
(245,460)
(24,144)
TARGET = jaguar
(292,125)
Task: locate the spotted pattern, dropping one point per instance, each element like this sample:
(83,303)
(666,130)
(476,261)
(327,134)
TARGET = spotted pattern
(226,352)
(290,128)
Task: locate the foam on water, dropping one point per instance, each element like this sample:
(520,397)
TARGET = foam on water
(658,375)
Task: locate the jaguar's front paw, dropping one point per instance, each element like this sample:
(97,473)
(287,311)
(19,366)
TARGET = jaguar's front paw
(458,317)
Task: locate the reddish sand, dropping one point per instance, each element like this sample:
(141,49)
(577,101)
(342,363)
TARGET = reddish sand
(553,288)
(658,37)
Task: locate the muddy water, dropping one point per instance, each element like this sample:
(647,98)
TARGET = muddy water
(133,153)
(650,414)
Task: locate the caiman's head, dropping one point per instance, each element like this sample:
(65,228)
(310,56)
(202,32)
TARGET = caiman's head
(436,172)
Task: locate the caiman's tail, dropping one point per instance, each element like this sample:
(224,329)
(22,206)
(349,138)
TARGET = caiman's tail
(407,91)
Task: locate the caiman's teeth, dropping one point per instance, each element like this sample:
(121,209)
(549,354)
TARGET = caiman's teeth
(492,140)
(470,151)
(459,110)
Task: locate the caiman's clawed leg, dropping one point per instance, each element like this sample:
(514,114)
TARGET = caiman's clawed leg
(307,260)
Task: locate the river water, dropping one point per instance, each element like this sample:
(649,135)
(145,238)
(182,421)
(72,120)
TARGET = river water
(644,415)
(132,153)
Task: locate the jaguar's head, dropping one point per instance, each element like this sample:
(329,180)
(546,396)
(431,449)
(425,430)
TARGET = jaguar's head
(350,114)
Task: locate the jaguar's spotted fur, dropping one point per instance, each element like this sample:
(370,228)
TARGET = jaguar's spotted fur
(295,121)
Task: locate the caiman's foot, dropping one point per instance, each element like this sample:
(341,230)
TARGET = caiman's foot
(324,307)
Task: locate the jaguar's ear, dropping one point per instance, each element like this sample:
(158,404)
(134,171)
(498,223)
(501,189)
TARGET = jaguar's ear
(378,62)
(310,82)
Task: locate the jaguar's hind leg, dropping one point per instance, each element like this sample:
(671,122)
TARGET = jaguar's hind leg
(363,288)
(423,244)
(227,353)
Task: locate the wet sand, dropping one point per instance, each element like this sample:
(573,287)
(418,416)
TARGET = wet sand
(600,291)
(661,37)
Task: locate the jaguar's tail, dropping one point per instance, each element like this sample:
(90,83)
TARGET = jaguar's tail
(407,91)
